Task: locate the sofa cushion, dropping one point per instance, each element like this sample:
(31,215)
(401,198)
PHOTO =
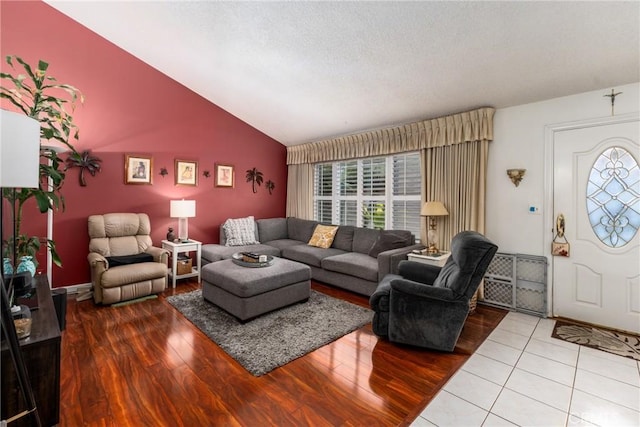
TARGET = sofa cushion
(272,229)
(323,236)
(134,273)
(363,239)
(390,239)
(309,255)
(344,238)
(240,231)
(223,237)
(283,243)
(471,253)
(119,246)
(353,264)
(300,229)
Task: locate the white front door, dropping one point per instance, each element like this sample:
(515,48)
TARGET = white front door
(596,186)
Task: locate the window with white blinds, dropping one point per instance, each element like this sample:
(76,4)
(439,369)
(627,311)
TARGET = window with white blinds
(379,192)
(323,193)
(406,184)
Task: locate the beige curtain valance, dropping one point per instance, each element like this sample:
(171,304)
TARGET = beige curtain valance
(475,125)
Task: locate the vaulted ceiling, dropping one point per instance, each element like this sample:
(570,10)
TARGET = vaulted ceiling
(304,71)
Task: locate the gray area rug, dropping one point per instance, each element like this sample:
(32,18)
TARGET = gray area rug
(276,338)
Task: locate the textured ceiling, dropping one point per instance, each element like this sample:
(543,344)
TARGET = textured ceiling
(303,71)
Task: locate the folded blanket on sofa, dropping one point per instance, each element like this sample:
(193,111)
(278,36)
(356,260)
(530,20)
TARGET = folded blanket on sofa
(115,261)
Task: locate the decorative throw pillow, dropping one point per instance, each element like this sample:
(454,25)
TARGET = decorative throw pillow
(386,241)
(240,231)
(323,236)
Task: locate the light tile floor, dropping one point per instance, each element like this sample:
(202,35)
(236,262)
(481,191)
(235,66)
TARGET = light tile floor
(521,376)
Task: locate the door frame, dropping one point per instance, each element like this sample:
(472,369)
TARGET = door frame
(548,214)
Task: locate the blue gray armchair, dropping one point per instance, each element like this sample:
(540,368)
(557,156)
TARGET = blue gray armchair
(425,305)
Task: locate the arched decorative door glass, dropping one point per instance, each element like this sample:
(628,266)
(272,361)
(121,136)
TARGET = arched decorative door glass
(613,197)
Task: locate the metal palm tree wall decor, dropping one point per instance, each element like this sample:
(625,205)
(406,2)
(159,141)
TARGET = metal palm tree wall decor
(270,186)
(254,176)
(84,161)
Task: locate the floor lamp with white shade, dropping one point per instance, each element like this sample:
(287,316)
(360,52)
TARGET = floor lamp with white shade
(19,155)
(19,168)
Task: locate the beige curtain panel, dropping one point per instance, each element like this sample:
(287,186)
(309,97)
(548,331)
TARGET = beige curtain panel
(475,125)
(300,191)
(457,177)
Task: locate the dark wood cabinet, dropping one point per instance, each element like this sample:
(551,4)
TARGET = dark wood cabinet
(41,353)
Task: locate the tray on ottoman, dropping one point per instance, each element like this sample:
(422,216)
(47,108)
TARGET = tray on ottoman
(239,259)
(250,292)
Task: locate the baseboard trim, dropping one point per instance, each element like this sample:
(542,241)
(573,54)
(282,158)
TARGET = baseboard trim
(76,289)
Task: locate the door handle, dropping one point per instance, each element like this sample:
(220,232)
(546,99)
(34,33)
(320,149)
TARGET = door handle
(560,225)
(559,248)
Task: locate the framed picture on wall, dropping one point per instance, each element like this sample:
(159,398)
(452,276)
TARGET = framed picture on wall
(224,175)
(138,169)
(186,172)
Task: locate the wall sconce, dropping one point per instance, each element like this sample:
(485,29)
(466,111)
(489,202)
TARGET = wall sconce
(516,175)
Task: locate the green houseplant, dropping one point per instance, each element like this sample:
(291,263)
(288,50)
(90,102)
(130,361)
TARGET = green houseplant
(42,98)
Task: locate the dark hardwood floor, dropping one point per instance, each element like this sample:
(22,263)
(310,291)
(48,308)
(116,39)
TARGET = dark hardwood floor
(144,364)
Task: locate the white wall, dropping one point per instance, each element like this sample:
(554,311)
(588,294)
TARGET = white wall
(519,142)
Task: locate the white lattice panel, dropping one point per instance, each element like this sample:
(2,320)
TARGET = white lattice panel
(518,282)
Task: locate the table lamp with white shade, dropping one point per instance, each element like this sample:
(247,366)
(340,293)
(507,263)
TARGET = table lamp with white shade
(433,210)
(183,209)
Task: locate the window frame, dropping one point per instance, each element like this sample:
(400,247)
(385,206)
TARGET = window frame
(387,199)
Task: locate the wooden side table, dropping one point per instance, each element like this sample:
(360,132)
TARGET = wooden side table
(181,247)
(437,259)
(41,353)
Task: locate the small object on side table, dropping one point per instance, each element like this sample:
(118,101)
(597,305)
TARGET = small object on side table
(26,264)
(170,236)
(185,265)
(22,320)
(7,268)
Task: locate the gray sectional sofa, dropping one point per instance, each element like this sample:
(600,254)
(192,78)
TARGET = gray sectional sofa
(357,259)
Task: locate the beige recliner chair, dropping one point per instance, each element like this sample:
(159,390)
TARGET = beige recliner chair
(124,264)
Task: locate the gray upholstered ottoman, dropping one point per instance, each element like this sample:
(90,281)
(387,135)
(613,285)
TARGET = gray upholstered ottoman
(249,292)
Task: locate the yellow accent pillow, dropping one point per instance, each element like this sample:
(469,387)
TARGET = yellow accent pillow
(323,236)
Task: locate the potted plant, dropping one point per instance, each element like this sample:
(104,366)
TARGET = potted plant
(40,97)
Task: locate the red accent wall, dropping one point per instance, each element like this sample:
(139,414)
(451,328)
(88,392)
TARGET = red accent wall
(131,107)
